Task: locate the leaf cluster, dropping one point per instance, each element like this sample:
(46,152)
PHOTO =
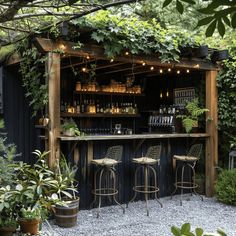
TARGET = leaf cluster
(117,34)
(218,14)
(226,187)
(185,230)
(193,113)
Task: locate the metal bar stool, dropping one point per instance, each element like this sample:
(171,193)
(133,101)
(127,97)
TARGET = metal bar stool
(232,155)
(106,174)
(146,163)
(188,161)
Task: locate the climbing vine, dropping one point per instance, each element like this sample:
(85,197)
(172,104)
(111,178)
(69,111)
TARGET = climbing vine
(33,76)
(117,34)
(227,104)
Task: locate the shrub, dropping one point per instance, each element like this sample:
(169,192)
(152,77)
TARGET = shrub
(226,187)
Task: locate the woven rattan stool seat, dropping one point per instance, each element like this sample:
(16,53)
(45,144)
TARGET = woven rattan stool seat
(185,158)
(144,160)
(104,162)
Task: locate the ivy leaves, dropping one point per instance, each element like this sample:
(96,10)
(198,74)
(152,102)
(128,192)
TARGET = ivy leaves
(219,14)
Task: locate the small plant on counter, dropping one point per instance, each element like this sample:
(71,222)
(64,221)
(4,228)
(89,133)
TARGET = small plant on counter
(185,230)
(69,128)
(193,113)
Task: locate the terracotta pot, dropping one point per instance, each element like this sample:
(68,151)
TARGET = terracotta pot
(66,216)
(29,226)
(7,231)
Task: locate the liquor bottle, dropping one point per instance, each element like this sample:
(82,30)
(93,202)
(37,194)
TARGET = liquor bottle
(62,108)
(97,107)
(77,108)
(82,108)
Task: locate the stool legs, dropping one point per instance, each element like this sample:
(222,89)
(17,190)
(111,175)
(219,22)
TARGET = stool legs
(146,189)
(108,174)
(191,185)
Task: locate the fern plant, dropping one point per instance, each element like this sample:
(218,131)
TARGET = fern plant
(193,112)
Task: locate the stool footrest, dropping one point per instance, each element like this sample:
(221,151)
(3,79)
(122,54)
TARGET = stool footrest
(105,192)
(186,185)
(145,189)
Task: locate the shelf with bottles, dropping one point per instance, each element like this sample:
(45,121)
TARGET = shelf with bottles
(108,93)
(90,108)
(97,115)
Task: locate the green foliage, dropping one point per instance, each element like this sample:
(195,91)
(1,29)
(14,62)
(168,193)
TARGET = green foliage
(219,14)
(194,112)
(117,34)
(226,187)
(32,66)
(226,82)
(69,124)
(185,230)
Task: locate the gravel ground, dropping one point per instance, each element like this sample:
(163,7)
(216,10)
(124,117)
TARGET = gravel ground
(209,215)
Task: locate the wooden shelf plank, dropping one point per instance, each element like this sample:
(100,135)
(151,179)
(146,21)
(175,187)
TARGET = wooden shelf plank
(108,93)
(105,115)
(133,136)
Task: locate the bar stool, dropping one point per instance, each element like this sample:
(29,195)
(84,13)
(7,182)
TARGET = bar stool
(188,161)
(232,155)
(106,174)
(146,163)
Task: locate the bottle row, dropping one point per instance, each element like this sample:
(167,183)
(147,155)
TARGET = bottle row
(91,107)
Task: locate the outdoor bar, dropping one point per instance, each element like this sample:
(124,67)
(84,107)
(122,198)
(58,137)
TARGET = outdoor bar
(132,101)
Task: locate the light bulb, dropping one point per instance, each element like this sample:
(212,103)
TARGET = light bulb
(169,70)
(161,95)
(178,71)
(151,68)
(143,63)
(126,53)
(167,94)
(112,60)
(84,69)
(187,70)
(161,71)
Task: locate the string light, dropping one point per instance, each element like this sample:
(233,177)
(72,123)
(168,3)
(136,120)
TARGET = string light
(84,69)
(126,53)
(167,93)
(187,70)
(197,66)
(88,57)
(62,46)
(169,70)
(178,72)
(161,95)
(143,63)
(152,68)
(161,71)
(111,60)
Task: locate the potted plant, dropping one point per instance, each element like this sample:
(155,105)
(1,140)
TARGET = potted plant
(66,190)
(8,213)
(69,128)
(193,113)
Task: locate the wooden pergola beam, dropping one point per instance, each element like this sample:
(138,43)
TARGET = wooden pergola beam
(47,45)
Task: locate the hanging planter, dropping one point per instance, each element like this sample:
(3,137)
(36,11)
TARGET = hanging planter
(219,55)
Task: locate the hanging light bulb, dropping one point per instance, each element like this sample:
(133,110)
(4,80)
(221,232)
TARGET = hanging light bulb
(127,53)
(187,70)
(161,95)
(143,63)
(84,69)
(88,57)
(111,60)
(169,70)
(161,71)
(152,68)
(167,93)
(178,72)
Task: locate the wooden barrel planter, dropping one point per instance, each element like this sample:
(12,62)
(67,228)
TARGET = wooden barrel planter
(66,216)
(7,231)
(29,226)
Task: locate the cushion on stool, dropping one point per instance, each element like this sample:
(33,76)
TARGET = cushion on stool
(104,162)
(185,158)
(145,160)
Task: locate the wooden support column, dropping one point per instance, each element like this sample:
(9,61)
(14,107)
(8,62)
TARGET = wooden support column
(211,129)
(53,71)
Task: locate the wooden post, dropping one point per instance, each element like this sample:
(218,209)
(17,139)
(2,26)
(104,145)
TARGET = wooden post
(211,129)
(53,72)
